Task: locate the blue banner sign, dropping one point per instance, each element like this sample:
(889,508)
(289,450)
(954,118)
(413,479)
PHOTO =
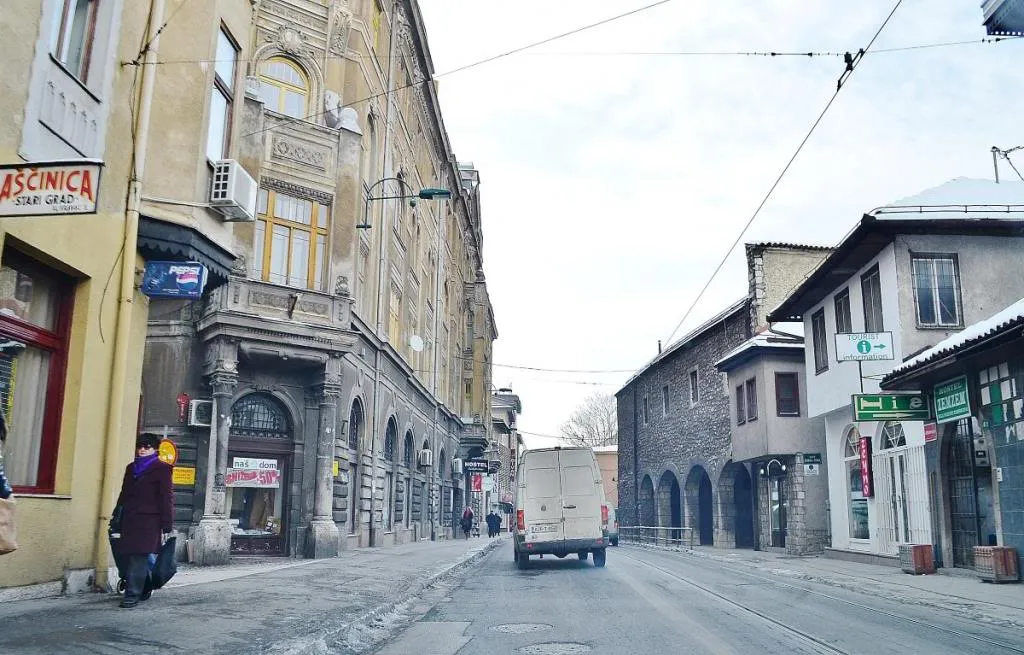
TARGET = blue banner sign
(174,279)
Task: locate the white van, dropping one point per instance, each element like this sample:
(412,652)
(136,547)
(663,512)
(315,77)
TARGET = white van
(560,505)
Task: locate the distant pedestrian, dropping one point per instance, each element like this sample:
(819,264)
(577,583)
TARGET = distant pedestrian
(467,521)
(493,524)
(147,510)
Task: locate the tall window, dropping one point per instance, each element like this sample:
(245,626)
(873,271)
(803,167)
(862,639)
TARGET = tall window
(751,399)
(664,400)
(741,405)
(936,290)
(787,394)
(844,322)
(395,318)
(858,503)
(820,341)
(219,131)
(355,425)
(408,451)
(73,36)
(291,240)
(871,290)
(284,88)
(390,441)
(694,390)
(389,498)
(35,313)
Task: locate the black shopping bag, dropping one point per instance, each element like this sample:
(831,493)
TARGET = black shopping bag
(166,564)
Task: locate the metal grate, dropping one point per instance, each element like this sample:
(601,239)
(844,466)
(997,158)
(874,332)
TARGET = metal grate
(963,499)
(259,417)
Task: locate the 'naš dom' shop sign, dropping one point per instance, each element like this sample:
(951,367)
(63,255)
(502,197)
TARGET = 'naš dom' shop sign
(50,188)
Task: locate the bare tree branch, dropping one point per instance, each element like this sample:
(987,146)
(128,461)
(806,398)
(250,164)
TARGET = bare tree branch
(593,423)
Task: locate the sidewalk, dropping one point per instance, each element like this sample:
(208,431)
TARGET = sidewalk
(249,606)
(949,589)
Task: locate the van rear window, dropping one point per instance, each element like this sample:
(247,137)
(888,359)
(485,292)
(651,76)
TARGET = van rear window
(541,483)
(577,481)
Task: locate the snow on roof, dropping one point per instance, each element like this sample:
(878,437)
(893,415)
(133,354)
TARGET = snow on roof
(606,449)
(768,339)
(1010,316)
(960,198)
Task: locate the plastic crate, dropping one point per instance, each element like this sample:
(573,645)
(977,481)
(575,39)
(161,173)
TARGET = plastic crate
(917,559)
(996,563)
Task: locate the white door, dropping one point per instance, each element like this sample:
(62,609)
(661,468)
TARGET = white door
(581,494)
(543,506)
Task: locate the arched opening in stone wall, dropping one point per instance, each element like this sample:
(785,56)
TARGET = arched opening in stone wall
(647,502)
(700,506)
(669,514)
(743,503)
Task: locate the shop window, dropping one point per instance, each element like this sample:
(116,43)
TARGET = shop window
(73,36)
(291,240)
(1002,404)
(355,426)
(221,97)
(871,292)
(787,394)
(936,290)
(858,502)
(284,87)
(844,321)
(820,337)
(35,313)
(751,399)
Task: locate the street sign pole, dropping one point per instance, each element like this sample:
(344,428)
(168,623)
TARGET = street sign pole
(860,374)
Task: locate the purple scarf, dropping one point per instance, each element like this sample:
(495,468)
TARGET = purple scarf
(142,463)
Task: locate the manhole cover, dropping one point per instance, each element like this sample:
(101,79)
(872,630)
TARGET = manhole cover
(556,648)
(520,628)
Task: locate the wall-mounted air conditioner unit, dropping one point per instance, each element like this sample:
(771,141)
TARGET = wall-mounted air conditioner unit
(200,413)
(233,192)
(456,466)
(426,458)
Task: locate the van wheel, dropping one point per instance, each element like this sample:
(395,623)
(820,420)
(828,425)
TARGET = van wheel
(522,561)
(599,557)
(583,555)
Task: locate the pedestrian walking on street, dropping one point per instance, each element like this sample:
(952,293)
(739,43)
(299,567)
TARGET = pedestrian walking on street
(493,521)
(467,521)
(147,510)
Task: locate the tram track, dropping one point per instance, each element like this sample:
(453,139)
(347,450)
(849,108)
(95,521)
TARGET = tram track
(918,622)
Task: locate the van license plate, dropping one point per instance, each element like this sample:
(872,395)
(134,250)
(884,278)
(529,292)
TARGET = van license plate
(543,528)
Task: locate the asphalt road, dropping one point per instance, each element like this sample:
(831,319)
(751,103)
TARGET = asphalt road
(653,602)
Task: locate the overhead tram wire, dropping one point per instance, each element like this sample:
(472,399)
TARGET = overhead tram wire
(474,64)
(852,63)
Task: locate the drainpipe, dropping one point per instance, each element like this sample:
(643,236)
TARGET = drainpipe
(126,292)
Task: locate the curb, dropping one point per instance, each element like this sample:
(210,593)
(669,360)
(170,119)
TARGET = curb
(321,643)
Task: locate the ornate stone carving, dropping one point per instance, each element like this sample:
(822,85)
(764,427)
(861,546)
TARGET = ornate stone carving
(296,190)
(223,383)
(278,301)
(341,287)
(284,148)
(289,39)
(239,267)
(341,24)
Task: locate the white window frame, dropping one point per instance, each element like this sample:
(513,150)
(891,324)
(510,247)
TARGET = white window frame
(61,37)
(936,304)
(222,89)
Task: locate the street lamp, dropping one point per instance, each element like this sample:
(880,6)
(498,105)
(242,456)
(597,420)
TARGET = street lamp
(426,193)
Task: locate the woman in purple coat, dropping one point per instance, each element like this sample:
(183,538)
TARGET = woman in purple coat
(147,510)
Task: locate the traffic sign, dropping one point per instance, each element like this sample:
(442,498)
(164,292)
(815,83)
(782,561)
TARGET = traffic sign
(951,400)
(864,346)
(891,407)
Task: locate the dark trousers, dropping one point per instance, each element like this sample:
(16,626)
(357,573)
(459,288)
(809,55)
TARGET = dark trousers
(136,585)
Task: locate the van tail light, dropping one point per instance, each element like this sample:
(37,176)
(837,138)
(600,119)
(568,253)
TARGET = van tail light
(604,515)
(520,521)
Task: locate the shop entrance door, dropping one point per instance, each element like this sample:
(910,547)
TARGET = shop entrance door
(256,497)
(779,505)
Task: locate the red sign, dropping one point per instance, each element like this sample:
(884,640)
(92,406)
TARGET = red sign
(182,406)
(252,478)
(866,478)
(931,432)
(477,482)
(46,188)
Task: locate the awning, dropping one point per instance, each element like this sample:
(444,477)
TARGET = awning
(159,240)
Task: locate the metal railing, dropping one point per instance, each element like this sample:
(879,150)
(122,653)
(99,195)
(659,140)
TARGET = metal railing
(656,536)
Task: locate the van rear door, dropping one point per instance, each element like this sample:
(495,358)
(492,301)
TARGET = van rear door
(582,494)
(543,506)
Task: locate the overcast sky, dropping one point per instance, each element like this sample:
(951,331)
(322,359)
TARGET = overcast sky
(613,183)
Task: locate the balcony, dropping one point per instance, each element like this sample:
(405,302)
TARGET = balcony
(473,437)
(298,318)
(298,149)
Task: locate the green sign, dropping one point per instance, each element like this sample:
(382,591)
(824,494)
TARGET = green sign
(891,407)
(951,400)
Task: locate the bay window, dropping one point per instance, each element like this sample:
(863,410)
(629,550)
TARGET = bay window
(291,240)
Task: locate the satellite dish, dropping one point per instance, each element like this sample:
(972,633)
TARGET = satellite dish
(416,342)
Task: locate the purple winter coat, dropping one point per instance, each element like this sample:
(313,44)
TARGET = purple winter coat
(148,509)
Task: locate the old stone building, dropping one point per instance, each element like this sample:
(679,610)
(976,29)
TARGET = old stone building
(320,396)
(676,467)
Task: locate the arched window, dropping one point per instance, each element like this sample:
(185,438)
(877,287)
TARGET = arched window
(284,87)
(858,505)
(442,469)
(258,416)
(893,435)
(390,439)
(409,450)
(355,425)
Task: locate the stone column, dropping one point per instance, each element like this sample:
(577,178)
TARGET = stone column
(322,536)
(213,534)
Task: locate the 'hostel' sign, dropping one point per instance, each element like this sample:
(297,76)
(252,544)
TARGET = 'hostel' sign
(49,188)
